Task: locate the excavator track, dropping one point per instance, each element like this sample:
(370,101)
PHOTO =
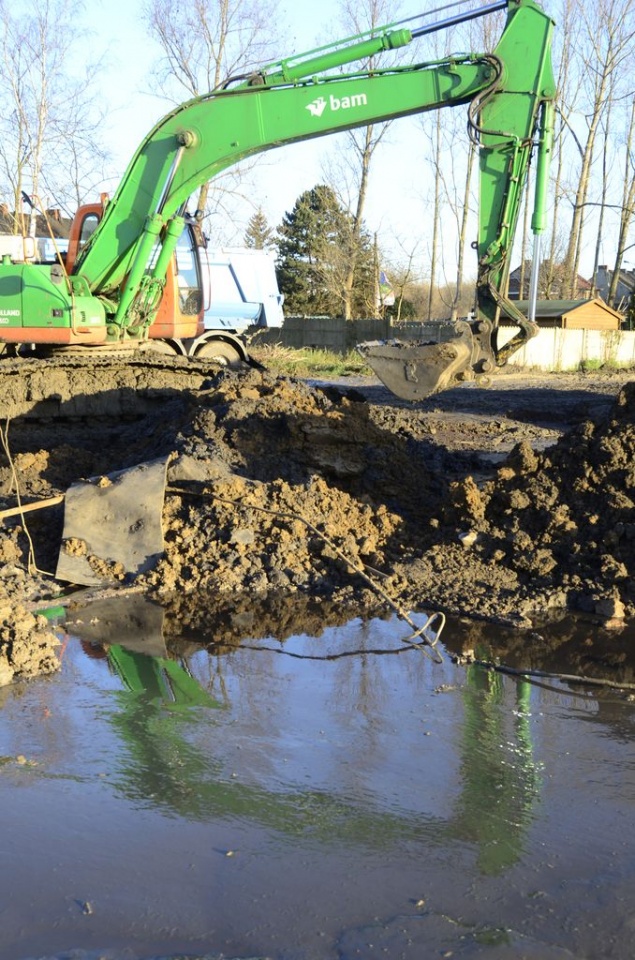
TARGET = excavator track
(71,386)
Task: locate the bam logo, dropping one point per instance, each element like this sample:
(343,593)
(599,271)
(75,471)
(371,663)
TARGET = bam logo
(316,109)
(318,106)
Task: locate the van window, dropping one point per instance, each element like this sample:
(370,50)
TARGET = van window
(223,282)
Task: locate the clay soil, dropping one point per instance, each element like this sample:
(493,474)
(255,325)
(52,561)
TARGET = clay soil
(506,503)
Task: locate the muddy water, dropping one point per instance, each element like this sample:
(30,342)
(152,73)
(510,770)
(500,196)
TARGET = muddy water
(323,799)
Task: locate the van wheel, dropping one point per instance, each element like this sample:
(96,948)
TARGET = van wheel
(169,348)
(220,352)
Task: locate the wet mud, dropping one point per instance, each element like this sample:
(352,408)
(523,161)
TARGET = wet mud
(511,504)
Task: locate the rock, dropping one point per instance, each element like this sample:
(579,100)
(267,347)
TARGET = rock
(6,672)
(468,539)
(611,608)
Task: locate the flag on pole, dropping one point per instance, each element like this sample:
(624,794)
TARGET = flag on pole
(386,292)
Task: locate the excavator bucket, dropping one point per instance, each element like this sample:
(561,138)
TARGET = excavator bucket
(415,369)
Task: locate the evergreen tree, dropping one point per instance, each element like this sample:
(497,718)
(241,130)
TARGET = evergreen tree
(315,244)
(259,235)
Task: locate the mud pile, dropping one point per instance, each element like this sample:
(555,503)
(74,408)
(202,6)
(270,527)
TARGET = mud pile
(273,487)
(278,488)
(28,646)
(560,526)
(277,485)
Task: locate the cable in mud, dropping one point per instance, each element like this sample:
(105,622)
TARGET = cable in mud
(32,567)
(429,638)
(533,676)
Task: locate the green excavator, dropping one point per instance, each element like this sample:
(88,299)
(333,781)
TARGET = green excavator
(132,274)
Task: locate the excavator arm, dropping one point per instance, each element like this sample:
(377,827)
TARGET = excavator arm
(307,97)
(507,121)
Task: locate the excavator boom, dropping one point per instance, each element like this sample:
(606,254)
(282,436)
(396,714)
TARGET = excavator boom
(200,140)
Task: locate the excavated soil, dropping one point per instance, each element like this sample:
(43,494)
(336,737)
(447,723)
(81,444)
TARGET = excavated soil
(507,504)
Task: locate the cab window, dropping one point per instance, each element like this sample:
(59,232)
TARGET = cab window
(188,275)
(88,227)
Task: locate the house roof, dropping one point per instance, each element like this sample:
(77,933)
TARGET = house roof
(581,282)
(559,308)
(626,277)
(58,225)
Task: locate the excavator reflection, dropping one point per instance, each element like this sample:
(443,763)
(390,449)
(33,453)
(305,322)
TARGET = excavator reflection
(501,778)
(171,729)
(158,678)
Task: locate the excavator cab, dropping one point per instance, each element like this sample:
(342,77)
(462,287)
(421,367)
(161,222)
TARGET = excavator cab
(84,224)
(180,312)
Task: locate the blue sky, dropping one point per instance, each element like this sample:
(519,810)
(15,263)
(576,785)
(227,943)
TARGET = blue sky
(130,55)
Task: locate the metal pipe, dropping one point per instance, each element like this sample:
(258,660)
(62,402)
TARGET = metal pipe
(170,179)
(460,18)
(533,281)
(539,217)
(545,148)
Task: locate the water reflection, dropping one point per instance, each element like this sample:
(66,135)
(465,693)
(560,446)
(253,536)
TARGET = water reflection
(501,781)
(565,645)
(368,796)
(163,766)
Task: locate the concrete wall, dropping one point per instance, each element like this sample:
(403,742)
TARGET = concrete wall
(553,349)
(328,333)
(561,350)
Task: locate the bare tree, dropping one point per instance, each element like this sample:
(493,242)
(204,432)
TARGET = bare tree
(204,43)
(451,158)
(604,182)
(353,169)
(566,149)
(402,267)
(436,161)
(45,145)
(607,52)
(402,278)
(627,210)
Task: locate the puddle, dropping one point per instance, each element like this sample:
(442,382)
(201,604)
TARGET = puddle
(318,798)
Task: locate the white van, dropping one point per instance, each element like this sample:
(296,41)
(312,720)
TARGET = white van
(243,290)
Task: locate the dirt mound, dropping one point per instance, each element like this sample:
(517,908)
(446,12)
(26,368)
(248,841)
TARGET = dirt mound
(561,525)
(279,488)
(96,384)
(273,486)
(281,483)
(28,646)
